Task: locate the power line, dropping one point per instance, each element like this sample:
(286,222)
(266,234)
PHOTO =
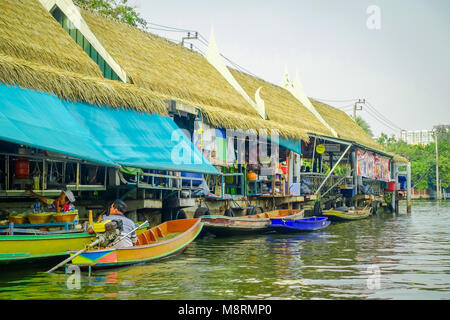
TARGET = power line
(382,116)
(331,100)
(381,120)
(201,39)
(171,28)
(347,106)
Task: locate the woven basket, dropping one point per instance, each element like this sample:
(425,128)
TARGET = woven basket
(17,219)
(65,217)
(36,218)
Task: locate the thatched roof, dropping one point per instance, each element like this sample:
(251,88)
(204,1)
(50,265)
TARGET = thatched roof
(164,67)
(29,32)
(36,53)
(281,106)
(345,127)
(400,159)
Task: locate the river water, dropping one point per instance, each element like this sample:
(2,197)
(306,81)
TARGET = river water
(384,257)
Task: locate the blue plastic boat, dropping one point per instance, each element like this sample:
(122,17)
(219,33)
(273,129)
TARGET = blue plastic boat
(298,225)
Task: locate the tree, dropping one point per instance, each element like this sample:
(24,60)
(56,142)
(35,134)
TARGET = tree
(118,9)
(364,125)
(422,158)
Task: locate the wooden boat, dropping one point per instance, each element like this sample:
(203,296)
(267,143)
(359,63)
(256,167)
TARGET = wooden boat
(24,248)
(257,223)
(159,242)
(283,225)
(351,214)
(19,248)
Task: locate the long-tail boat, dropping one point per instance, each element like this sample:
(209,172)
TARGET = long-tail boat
(20,248)
(251,224)
(43,247)
(283,225)
(347,214)
(166,239)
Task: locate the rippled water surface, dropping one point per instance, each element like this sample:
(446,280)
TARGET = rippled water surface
(411,253)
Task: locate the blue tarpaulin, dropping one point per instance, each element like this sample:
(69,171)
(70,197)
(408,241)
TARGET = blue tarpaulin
(293,145)
(103,135)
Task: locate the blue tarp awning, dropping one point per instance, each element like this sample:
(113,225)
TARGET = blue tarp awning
(104,135)
(293,145)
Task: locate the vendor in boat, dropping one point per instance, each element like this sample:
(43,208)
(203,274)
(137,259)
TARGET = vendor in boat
(61,204)
(117,211)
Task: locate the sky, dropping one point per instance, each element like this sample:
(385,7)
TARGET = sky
(401,67)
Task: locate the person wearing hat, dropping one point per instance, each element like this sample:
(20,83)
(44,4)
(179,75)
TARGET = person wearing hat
(61,204)
(117,211)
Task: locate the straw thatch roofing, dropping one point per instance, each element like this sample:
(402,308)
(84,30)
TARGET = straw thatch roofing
(400,159)
(345,127)
(36,53)
(155,63)
(281,105)
(30,33)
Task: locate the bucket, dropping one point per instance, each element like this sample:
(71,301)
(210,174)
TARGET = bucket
(402,181)
(348,192)
(391,186)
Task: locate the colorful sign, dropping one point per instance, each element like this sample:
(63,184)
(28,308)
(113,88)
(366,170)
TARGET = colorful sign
(332,147)
(372,166)
(320,149)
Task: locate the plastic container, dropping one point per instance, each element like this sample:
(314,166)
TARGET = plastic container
(402,181)
(348,192)
(22,168)
(391,186)
(252,176)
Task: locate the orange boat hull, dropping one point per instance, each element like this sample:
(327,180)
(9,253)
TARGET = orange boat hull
(228,226)
(164,240)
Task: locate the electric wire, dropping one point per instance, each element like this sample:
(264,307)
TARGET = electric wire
(332,100)
(380,120)
(381,115)
(202,40)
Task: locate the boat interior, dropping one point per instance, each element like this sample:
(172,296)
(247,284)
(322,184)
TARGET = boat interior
(273,214)
(164,231)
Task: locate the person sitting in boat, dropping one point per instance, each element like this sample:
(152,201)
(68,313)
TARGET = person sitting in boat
(61,204)
(117,211)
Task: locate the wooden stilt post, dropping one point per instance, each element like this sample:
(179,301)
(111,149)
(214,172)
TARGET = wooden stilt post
(408,188)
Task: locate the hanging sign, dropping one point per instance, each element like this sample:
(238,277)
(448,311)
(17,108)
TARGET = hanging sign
(320,149)
(373,166)
(332,147)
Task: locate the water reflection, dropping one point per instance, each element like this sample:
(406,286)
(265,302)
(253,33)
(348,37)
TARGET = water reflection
(412,253)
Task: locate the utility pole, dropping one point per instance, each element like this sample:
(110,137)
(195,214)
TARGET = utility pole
(438,189)
(355,107)
(189,37)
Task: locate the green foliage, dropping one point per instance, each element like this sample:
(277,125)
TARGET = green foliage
(118,9)
(364,125)
(423,159)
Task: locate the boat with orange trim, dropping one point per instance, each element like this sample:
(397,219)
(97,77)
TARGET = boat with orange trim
(162,241)
(256,223)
